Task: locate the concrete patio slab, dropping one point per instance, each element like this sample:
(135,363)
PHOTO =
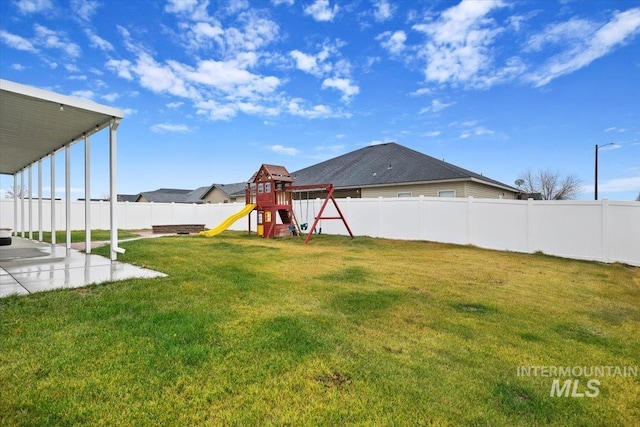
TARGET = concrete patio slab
(28,266)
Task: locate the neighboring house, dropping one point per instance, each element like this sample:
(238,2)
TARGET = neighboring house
(216,193)
(526,196)
(392,170)
(127,197)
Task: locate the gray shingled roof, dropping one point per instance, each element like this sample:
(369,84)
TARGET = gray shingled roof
(384,164)
(235,188)
(166,195)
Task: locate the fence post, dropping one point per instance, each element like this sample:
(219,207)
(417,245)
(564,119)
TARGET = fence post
(530,227)
(469,220)
(605,230)
(379,205)
(421,223)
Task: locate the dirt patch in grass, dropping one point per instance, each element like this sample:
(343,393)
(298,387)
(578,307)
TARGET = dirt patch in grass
(334,380)
(474,308)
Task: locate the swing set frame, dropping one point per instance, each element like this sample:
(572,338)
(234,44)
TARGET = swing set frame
(329,189)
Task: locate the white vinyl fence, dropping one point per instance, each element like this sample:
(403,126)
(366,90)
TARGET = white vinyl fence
(607,231)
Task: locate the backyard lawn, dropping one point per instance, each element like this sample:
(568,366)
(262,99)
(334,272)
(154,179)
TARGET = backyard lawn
(247,331)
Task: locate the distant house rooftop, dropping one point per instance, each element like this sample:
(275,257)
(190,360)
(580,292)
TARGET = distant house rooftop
(386,164)
(199,195)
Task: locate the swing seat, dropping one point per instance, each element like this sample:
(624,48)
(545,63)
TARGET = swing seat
(304,226)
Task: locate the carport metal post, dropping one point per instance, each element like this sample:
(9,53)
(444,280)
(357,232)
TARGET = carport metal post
(67,193)
(87,194)
(30,202)
(15,204)
(113,187)
(22,203)
(40,200)
(53,198)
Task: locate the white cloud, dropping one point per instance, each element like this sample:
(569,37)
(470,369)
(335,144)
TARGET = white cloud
(51,39)
(304,62)
(194,9)
(320,10)
(121,67)
(98,42)
(615,129)
(393,42)
(215,111)
(458,47)
(85,94)
(110,97)
(433,133)
(616,185)
(587,41)
(479,131)
(289,151)
(161,78)
(436,106)
(316,64)
(84,9)
(17,42)
(382,10)
(421,92)
(34,6)
(279,2)
(347,88)
(168,127)
(175,104)
(18,67)
(231,77)
(319,111)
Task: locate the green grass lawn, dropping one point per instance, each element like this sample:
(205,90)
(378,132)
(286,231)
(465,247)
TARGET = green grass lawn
(247,331)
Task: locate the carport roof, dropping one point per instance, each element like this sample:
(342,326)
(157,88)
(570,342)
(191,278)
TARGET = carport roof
(35,123)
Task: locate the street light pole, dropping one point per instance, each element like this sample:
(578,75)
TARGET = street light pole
(596,172)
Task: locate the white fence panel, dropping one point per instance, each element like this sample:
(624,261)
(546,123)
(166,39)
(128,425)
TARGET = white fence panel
(593,230)
(444,220)
(499,224)
(569,229)
(623,233)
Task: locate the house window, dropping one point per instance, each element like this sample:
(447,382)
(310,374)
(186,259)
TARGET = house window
(405,194)
(267,187)
(260,188)
(446,193)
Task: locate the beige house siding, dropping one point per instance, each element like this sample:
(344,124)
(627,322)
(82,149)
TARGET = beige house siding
(461,188)
(483,191)
(142,199)
(215,196)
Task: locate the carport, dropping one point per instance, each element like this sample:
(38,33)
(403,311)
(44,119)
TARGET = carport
(35,126)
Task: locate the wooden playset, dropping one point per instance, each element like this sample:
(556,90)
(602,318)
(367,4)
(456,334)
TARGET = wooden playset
(271,191)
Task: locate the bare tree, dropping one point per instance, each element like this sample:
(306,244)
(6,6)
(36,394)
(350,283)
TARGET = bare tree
(550,184)
(638,198)
(14,192)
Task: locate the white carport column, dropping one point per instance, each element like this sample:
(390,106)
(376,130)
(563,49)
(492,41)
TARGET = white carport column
(15,204)
(87,194)
(40,200)
(67,193)
(113,187)
(30,202)
(22,203)
(53,198)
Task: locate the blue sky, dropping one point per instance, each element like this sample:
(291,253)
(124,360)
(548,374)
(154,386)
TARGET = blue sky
(213,89)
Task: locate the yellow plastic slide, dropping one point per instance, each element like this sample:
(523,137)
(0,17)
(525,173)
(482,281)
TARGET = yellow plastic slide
(227,222)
